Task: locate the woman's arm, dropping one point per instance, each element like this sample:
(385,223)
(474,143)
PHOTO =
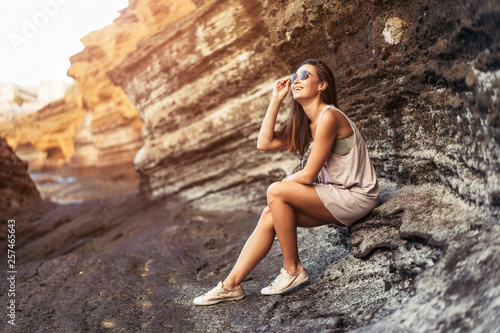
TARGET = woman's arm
(266,140)
(325,135)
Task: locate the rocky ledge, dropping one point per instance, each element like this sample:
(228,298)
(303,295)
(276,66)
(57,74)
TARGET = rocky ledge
(423,261)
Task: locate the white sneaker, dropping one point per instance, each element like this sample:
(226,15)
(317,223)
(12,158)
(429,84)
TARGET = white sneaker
(285,282)
(219,294)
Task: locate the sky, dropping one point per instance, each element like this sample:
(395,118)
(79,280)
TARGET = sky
(37,37)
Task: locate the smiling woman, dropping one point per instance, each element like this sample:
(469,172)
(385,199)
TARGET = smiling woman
(338,154)
(41,35)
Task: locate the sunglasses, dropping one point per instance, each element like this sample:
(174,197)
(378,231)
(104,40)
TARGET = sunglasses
(302,76)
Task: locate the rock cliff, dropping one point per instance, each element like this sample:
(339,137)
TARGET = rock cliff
(17,190)
(113,121)
(96,125)
(420,81)
(203,91)
(46,139)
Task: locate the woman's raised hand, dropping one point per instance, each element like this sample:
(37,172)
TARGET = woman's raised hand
(281,89)
(266,139)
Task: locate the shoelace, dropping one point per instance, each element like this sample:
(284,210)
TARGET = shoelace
(278,279)
(214,292)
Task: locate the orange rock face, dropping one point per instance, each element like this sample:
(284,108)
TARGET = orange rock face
(98,126)
(114,124)
(45,138)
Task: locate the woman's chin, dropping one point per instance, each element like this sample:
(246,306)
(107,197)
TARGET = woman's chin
(296,96)
(299,97)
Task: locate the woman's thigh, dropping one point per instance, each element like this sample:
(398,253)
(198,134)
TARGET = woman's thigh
(309,209)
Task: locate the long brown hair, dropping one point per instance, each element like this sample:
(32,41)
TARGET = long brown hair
(296,131)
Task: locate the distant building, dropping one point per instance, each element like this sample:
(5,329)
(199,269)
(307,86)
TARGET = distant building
(8,92)
(16,100)
(49,91)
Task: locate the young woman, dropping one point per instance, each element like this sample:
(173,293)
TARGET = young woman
(338,154)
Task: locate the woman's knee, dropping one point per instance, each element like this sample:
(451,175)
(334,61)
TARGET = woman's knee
(274,191)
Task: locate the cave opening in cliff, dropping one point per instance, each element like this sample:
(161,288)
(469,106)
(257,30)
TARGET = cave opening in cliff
(55,153)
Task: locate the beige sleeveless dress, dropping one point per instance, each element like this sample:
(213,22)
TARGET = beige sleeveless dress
(350,189)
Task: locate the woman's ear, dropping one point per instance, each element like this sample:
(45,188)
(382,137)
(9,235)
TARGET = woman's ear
(323,85)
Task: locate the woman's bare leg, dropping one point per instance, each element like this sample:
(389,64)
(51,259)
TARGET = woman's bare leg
(293,205)
(307,211)
(256,248)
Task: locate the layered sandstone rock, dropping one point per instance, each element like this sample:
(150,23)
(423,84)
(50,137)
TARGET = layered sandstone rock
(96,126)
(45,139)
(419,80)
(201,94)
(113,124)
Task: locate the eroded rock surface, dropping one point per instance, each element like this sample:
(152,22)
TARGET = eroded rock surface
(201,98)
(419,80)
(17,190)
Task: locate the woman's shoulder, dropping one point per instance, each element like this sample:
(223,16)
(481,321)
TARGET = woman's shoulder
(331,114)
(329,120)
(336,120)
